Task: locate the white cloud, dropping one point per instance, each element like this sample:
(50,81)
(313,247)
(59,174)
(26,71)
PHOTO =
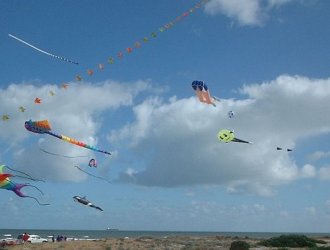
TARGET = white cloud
(310,210)
(75,112)
(308,171)
(318,155)
(245,12)
(175,142)
(324,173)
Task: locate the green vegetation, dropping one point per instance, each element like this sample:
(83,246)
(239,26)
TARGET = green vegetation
(320,248)
(291,241)
(239,245)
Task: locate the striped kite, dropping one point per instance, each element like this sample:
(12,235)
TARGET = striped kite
(43,127)
(6,183)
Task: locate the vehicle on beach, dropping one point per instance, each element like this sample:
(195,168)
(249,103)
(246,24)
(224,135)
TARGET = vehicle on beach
(33,238)
(7,241)
(36,239)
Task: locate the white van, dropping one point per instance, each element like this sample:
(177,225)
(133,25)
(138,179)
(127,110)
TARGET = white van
(36,239)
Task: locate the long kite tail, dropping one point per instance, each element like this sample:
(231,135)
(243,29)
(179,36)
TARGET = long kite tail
(42,51)
(17,189)
(66,156)
(99,177)
(41,204)
(26,176)
(75,142)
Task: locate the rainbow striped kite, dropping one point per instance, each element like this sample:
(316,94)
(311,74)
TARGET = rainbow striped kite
(43,127)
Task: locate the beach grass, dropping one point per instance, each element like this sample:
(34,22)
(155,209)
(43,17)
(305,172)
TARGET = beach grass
(160,243)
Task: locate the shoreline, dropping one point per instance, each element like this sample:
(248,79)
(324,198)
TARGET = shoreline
(157,243)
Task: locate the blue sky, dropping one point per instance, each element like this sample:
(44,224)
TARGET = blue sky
(267,60)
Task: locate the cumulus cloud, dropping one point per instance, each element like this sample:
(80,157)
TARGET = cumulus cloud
(176,145)
(75,112)
(308,171)
(245,12)
(324,173)
(318,155)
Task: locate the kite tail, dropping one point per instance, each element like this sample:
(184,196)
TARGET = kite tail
(17,190)
(18,187)
(75,142)
(99,177)
(66,156)
(41,204)
(216,98)
(27,176)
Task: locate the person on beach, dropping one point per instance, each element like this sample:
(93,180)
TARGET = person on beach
(25,237)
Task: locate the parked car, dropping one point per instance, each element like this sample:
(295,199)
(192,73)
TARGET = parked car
(8,241)
(19,239)
(34,238)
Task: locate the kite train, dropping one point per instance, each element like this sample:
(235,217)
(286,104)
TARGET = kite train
(6,183)
(43,127)
(86,202)
(42,51)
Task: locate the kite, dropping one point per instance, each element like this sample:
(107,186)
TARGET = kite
(42,51)
(24,175)
(203,93)
(22,109)
(5,117)
(226,136)
(37,100)
(231,114)
(288,149)
(65,85)
(52,93)
(84,201)
(43,127)
(95,176)
(6,183)
(92,163)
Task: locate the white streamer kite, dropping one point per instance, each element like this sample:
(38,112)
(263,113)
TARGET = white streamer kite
(42,51)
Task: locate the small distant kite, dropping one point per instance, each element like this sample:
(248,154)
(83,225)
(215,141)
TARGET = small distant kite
(22,109)
(43,127)
(231,114)
(288,149)
(65,85)
(5,117)
(226,136)
(37,101)
(84,201)
(42,51)
(6,183)
(203,93)
(92,163)
(52,93)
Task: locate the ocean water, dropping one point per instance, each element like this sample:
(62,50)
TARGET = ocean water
(102,234)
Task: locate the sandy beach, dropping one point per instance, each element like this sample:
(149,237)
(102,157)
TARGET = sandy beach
(146,242)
